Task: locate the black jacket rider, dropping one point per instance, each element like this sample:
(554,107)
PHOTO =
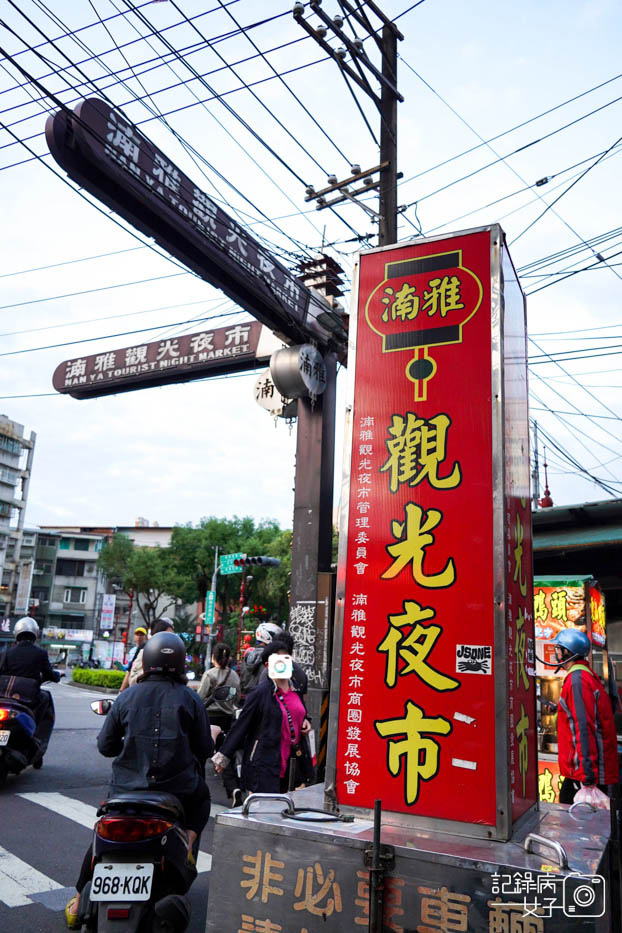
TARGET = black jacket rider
(25,659)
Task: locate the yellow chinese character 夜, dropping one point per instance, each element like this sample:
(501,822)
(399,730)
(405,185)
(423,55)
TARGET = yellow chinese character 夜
(261,868)
(511,918)
(441,909)
(420,754)
(540,611)
(413,537)
(416,450)
(519,536)
(546,790)
(405,305)
(559,608)
(443,295)
(522,727)
(413,647)
(327,890)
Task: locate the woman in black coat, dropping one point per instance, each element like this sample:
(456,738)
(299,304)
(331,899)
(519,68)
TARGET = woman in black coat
(266,735)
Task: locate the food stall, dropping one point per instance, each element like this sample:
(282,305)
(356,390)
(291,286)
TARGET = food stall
(562,602)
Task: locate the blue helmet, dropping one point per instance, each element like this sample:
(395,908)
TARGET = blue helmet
(574,643)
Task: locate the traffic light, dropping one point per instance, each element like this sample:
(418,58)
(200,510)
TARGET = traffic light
(124,636)
(264,561)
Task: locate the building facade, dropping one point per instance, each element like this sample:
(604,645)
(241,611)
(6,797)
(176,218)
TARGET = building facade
(16,456)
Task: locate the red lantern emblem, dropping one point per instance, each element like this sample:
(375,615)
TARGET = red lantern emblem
(421,303)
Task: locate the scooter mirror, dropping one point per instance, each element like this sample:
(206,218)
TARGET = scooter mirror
(101,707)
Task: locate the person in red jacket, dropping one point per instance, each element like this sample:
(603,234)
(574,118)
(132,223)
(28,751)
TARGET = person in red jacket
(586,733)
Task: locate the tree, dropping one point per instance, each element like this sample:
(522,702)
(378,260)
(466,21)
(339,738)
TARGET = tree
(151,575)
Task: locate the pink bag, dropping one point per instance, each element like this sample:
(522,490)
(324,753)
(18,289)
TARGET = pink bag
(592,795)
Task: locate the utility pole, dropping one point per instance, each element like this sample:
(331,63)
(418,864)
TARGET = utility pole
(386,103)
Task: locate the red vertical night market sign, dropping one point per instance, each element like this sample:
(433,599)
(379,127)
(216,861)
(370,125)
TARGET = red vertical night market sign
(438,543)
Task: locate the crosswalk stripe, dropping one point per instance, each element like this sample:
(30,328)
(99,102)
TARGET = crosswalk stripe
(86,815)
(19,879)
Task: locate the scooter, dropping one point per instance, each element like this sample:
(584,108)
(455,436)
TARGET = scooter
(18,745)
(141,870)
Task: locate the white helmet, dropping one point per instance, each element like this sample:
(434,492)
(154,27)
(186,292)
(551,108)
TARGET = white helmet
(26,626)
(266,631)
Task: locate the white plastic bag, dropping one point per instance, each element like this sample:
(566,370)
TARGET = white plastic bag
(589,793)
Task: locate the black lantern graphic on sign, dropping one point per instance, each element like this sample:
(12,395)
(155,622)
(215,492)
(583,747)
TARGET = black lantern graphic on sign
(421,303)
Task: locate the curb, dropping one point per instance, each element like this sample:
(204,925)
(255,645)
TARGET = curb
(94,688)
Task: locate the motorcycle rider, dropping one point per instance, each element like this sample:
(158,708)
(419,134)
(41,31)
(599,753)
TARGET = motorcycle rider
(160,735)
(26,659)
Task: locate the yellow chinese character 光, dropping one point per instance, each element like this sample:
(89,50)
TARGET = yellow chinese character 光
(443,910)
(443,296)
(420,754)
(519,536)
(540,611)
(413,537)
(326,889)
(546,791)
(261,867)
(391,905)
(405,305)
(251,925)
(520,646)
(559,605)
(511,918)
(523,745)
(416,450)
(413,647)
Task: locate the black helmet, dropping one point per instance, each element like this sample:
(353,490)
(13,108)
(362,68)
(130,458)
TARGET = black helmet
(164,653)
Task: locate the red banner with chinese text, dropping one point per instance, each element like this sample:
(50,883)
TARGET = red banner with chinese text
(417,707)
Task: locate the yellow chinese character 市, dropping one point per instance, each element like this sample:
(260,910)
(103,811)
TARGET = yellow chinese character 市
(416,449)
(540,611)
(443,296)
(442,909)
(420,754)
(522,727)
(325,899)
(511,918)
(559,608)
(413,537)
(519,536)
(413,647)
(261,868)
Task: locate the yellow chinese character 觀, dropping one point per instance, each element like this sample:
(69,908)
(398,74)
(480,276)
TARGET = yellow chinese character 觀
(416,450)
(413,647)
(413,537)
(519,536)
(420,754)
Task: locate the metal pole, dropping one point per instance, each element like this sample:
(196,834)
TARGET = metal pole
(237,653)
(388,141)
(375,876)
(210,634)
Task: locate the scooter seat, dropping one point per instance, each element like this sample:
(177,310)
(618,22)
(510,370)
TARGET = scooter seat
(145,799)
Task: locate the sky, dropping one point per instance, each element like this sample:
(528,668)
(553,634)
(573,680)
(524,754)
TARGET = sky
(496,99)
